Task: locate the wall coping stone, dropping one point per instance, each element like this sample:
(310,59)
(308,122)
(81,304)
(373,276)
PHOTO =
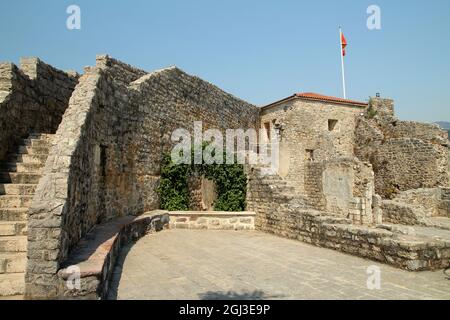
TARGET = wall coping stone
(96,254)
(212,213)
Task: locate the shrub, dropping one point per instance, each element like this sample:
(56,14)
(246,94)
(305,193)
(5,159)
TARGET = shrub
(230,181)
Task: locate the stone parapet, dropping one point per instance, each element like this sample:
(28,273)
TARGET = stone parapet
(94,257)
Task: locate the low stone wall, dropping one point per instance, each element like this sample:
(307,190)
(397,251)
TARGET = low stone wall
(372,243)
(403,213)
(213,220)
(95,256)
(290,219)
(416,207)
(432,201)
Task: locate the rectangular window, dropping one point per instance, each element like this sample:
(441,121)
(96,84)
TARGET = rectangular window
(103,157)
(332,124)
(267,128)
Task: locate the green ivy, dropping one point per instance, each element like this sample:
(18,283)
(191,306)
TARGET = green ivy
(173,189)
(230,180)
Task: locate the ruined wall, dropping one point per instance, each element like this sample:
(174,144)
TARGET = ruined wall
(292,220)
(32,99)
(343,187)
(105,158)
(405,155)
(305,134)
(415,207)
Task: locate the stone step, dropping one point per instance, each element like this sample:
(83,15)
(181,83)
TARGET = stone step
(19,177)
(13,262)
(22,167)
(13,214)
(27,158)
(41,136)
(35,142)
(13,228)
(15,201)
(17,189)
(439,222)
(13,244)
(33,150)
(12,284)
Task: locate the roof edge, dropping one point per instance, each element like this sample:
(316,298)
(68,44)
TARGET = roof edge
(318,99)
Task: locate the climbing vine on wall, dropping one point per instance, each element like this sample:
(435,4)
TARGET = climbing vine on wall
(230,180)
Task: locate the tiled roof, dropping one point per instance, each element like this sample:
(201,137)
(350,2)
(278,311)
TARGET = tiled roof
(315,96)
(319,97)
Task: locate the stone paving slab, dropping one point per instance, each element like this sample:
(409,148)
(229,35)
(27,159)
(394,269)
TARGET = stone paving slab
(200,264)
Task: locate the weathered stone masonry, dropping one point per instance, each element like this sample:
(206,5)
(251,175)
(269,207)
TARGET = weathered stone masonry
(336,158)
(106,154)
(32,99)
(405,155)
(335,203)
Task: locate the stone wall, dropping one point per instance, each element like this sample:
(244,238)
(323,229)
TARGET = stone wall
(405,155)
(96,254)
(403,213)
(106,155)
(213,220)
(415,207)
(291,219)
(429,199)
(343,186)
(32,99)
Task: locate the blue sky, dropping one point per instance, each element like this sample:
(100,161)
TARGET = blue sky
(260,51)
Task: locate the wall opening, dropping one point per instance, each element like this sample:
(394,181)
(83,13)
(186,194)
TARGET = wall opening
(332,124)
(309,155)
(267,128)
(103,160)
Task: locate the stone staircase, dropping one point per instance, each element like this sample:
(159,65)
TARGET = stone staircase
(279,189)
(19,175)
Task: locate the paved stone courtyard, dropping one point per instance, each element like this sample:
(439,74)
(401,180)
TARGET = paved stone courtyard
(199,264)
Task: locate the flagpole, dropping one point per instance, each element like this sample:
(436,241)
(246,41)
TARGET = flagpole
(342,63)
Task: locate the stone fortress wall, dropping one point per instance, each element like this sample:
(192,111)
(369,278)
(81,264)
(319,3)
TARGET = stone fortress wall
(33,98)
(405,155)
(106,154)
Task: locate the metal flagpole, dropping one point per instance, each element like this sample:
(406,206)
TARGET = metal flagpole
(342,63)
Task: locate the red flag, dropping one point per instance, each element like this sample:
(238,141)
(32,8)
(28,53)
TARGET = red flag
(344,44)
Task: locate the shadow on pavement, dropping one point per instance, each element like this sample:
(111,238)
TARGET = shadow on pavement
(117,273)
(233,295)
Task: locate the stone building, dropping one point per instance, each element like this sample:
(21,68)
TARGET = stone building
(78,152)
